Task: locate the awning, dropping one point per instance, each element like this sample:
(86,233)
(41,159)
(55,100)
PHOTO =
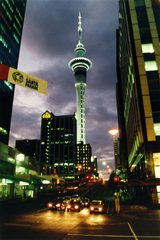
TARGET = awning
(137,183)
(14,178)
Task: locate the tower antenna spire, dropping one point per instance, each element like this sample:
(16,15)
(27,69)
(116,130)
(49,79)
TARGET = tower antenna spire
(80,27)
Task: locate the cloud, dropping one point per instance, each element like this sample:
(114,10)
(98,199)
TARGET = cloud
(49,39)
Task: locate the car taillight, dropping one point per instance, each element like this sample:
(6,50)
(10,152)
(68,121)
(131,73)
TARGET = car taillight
(50,205)
(68,206)
(76,206)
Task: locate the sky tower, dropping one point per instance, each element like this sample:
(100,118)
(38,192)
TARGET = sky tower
(80,65)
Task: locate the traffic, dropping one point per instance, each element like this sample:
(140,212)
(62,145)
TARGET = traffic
(80,198)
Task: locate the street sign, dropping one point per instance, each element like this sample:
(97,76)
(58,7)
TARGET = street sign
(17,77)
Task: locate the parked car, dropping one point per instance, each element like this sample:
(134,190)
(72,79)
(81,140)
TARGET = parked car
(74,206)
(96,206)
(57,204)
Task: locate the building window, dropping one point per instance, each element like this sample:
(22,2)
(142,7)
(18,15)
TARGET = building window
(147,48)
(151,66)
(157,129)
(139,3)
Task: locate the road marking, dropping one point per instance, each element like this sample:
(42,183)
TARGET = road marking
(100,235)
(136,238)
(111,236)
(151,237)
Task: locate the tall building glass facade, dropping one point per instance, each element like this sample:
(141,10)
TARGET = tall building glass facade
(11,25)
(138,88)
(58,143)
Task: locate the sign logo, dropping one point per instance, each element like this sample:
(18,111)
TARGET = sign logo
(17,77)
(46,115)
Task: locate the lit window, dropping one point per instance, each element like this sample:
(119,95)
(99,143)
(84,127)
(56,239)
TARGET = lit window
(156,158)
(147,48)
(157,129)
(151,66)
(9,85)
(157,171)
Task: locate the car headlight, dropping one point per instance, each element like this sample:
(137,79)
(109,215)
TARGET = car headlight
(50,205)
(58,205)
(91,208)
(100,209)
(76,206)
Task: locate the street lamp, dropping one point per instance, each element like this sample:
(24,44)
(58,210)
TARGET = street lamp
(113,132)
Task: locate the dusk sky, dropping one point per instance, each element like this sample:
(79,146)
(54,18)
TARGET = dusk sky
(48,42)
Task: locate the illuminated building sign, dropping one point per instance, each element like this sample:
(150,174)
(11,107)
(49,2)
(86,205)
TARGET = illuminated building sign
(46,115)
(15,76)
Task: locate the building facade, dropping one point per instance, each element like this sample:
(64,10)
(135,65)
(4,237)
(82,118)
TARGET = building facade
(18,174)
(58,144)
(80,65)
(138,89)
(84,153)
(11,25)
(94,165)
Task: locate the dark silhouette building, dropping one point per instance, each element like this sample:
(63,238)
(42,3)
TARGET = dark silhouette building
(11,25)
(58,143)
(138,89)
(30,147)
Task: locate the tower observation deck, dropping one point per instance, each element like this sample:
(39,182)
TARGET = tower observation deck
(80,65)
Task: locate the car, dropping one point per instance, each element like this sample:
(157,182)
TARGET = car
(57,204)
(96,206)
(74,206)
(85,201)
(67,198)
(75,197)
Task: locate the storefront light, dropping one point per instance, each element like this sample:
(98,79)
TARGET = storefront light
(45,181)
(20,157)
(21,183)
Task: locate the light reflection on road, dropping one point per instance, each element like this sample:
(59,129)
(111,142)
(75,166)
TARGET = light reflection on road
(59,222)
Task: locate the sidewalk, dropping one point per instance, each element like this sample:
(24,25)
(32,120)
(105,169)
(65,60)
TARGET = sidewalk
(140,212)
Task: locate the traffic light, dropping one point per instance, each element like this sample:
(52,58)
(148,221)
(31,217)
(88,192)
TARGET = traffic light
(116,179)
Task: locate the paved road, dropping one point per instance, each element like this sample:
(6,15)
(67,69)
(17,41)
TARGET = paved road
(50,225)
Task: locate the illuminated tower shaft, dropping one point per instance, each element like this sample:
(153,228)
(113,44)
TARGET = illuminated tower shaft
(80,65)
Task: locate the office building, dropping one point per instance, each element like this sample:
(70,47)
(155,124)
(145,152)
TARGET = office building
(80,65)
(11,25)
(94,165)
(84,153)
(58,144)
(138,90)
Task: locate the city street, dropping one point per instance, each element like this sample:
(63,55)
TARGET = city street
(55,225)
